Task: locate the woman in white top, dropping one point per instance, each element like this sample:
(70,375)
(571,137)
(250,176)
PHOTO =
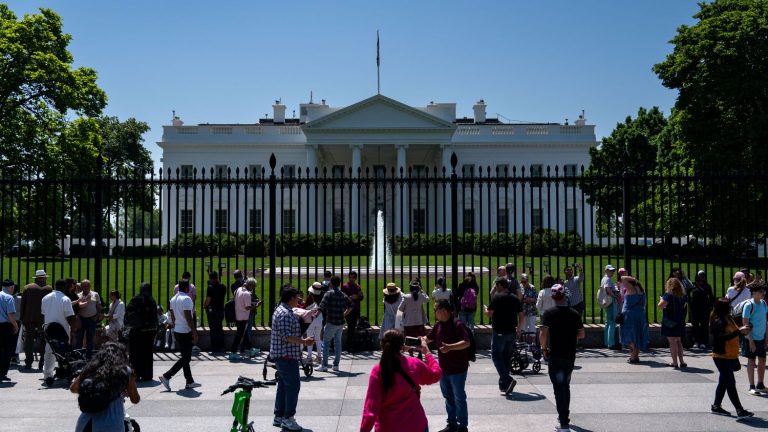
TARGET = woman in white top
(115,317)
(441,292)
(738,292)
(544,300)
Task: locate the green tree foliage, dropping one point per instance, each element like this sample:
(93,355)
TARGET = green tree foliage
(720,68)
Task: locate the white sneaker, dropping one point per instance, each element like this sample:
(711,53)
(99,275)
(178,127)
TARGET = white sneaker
(753,391)
(167,346)
(291,425)
(277,422)
(323,369)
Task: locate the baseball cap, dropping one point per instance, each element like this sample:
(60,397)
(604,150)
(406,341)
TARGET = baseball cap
(558,291)
(610,267)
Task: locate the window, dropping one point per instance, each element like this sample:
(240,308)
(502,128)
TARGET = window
(254,221)
(254,172)
(569,171)
(187,219)
(337,171)
(467,170)
(379,171)
(536,171)
(469,221)
(220,172)
(570,219)
(289,171)
(289,221)
(537,219)
(419,171)
(338,220)
(186,172)
(419,221)
(502,221)
(222,222)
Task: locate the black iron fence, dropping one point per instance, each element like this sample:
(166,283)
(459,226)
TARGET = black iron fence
(286,225)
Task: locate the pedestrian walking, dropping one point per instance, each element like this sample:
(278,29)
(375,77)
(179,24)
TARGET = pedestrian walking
(8,328)
(185,333)
(506,313)
(561,327)
(141,319)
(56,307)
(725,354)
(754,315)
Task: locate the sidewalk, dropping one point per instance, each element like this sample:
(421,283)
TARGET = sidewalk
(606,394)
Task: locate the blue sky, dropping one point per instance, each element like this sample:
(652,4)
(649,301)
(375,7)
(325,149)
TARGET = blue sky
(227,61)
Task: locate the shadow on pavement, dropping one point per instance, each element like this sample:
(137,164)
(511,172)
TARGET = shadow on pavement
(189,393)
(525,397)
(755,422)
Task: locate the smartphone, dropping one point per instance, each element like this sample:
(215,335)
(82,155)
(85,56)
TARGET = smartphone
(412,341)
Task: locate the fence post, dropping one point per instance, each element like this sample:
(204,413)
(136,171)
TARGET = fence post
(98,210)
(625,196)
(272,229)
(454,223)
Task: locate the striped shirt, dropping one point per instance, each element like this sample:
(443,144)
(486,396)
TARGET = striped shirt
(284,324)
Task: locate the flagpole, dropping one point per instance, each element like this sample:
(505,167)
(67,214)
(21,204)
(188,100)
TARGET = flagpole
(378,65)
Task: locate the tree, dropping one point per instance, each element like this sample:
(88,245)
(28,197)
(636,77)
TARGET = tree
(720,68)
(39,86)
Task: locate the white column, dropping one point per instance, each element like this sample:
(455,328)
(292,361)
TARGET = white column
(311,164)
(402,167)
(444,204)
(356,150)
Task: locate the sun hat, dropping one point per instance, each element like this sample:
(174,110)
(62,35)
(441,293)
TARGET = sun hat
(40,273)
(315,289)
(391,289)
(558,291)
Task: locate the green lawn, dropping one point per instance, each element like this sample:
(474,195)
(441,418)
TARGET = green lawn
(125,275)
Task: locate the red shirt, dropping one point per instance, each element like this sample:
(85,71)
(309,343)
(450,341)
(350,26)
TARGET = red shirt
(450,332)
(351,290)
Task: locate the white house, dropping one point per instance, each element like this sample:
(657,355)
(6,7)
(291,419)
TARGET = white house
(373,137)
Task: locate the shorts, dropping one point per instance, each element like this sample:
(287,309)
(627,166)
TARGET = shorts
(759,349)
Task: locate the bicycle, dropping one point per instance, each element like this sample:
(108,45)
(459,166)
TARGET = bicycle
(242,403)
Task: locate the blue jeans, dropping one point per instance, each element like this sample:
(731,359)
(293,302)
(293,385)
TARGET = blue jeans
(248,326)
(452,387)
(332,331)
(501,353)
(610,325)
(560,371)
(288,386)
(88,330)
(468,318)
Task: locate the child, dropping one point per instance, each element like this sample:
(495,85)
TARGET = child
(754,316)
(114,329)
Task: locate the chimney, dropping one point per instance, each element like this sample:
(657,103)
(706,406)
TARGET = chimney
(176,121)
(479,109)
(279,112)
(581,121)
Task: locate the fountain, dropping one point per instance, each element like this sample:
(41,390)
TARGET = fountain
(381,253)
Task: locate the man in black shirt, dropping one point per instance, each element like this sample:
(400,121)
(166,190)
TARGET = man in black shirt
(506,313)
(560,328)
(214,308)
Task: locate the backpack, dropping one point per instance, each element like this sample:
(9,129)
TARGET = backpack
(603,299)
(472,346)
(94,396)
(469,299)
(739,310)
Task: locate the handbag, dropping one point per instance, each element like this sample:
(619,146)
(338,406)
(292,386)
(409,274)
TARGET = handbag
(736,365)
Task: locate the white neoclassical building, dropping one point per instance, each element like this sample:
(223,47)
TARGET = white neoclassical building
(375,135)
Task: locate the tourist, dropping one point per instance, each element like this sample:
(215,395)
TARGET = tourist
(620,285)
(255,303)
(441,292)
(115,316)
(164,336)
(56,307)
(315,330)
(185,333)
(89,311)
(561,327)
(334,306)
(501,272)
(393,399)
(725,353)
(353,291)
(573,287)
(632,331)
(678,274)
(243,306)
(412,307)
(18,343)
(464,299)
(608,299)
(506,314)
(239,281)
(327,275)
(754,345)
(110,378)
(514,286)
(32,319)
(544,299)
(701,300)
(214,309)
(9,328)
(141,318)
(529,304)
(285,345)
(451,340)
(673,303)
(738,293)
(192,289)
(392,299)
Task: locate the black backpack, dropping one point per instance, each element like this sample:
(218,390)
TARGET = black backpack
(472,346)
(94,396)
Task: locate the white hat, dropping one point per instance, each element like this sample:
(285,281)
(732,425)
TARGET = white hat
(316,288)
(609,267)
(40,274)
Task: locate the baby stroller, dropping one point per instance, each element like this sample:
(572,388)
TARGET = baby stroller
(269,363)
(526,353)
(69,362)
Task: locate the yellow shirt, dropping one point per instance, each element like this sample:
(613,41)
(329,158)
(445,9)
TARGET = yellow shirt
(732,344)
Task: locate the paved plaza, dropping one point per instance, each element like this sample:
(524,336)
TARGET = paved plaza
(607,394)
